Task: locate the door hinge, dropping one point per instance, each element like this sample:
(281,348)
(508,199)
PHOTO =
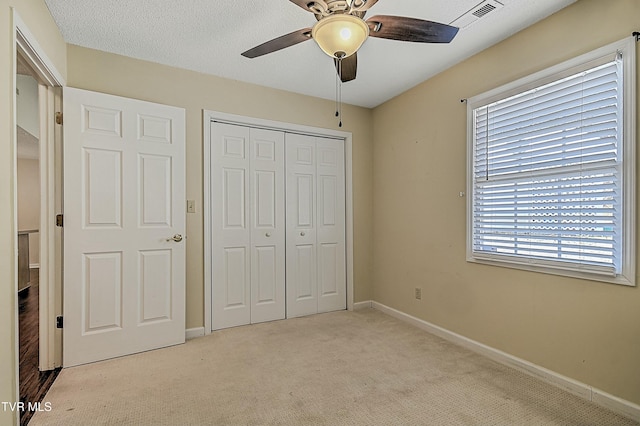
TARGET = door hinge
(58,118)
(59,220)
(59,321)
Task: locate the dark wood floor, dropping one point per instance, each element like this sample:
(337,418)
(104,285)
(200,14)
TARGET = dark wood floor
(33,383)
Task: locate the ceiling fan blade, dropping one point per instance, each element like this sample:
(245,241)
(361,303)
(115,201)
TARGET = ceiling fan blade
(349,67)
(279,43)
(410,29)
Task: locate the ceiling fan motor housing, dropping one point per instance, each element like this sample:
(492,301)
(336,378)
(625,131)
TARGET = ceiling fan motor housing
(324,8)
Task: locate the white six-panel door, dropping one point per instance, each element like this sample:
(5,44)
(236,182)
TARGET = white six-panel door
(316,266)
(124,199)
(247,225)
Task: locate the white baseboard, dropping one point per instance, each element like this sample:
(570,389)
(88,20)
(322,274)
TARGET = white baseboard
(613,403)
(362,305)
(193,333)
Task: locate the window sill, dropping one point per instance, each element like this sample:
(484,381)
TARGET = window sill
(591,276)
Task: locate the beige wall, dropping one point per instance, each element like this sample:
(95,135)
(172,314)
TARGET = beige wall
(28,195)
(28,109)
(118,75)
(586,330)
(36,16)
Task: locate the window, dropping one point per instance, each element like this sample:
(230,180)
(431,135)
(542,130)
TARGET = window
(552,169)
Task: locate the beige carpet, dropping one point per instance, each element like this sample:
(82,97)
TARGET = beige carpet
(342,368)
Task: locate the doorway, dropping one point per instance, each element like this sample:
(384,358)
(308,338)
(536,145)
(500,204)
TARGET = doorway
(37,176)
(33,382)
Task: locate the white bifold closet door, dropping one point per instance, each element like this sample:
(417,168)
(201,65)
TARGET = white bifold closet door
(316,267)
(248,225)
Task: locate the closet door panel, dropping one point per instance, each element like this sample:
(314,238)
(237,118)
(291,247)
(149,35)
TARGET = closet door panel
(331,225)
(302,285)
(267,226)
(231,234)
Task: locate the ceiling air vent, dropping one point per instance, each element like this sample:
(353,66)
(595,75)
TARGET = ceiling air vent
(484,10)
(477,12)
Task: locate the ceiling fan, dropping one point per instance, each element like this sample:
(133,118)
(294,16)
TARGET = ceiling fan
(341,30)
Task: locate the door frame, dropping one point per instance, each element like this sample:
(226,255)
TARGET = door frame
(347,137)
(50,283)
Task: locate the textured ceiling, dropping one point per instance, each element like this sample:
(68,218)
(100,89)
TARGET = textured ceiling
(209,35)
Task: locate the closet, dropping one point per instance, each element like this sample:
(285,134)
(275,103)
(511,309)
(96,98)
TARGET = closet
(277,225)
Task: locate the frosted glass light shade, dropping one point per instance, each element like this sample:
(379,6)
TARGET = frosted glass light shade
(340,35)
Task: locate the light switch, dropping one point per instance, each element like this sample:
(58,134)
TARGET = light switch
(191,206)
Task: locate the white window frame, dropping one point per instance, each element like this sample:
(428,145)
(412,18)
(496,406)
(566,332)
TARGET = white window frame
(627,48)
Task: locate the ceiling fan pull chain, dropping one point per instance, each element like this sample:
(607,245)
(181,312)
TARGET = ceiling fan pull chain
(339,92)
(338,75)
(340,103)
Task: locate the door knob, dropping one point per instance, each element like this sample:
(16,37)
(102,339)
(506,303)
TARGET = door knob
(302,234)
(177,238)
(268,234)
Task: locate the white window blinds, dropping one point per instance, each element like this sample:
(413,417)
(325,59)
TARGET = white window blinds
(546,174)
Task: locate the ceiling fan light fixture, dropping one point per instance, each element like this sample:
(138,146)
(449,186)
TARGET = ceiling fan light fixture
(340,35)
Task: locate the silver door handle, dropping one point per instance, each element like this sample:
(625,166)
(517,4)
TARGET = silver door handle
(302,234)
(268,234)
(177,238)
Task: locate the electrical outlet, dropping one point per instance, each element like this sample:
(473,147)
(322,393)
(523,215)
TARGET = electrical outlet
(191,206)
(418,293)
